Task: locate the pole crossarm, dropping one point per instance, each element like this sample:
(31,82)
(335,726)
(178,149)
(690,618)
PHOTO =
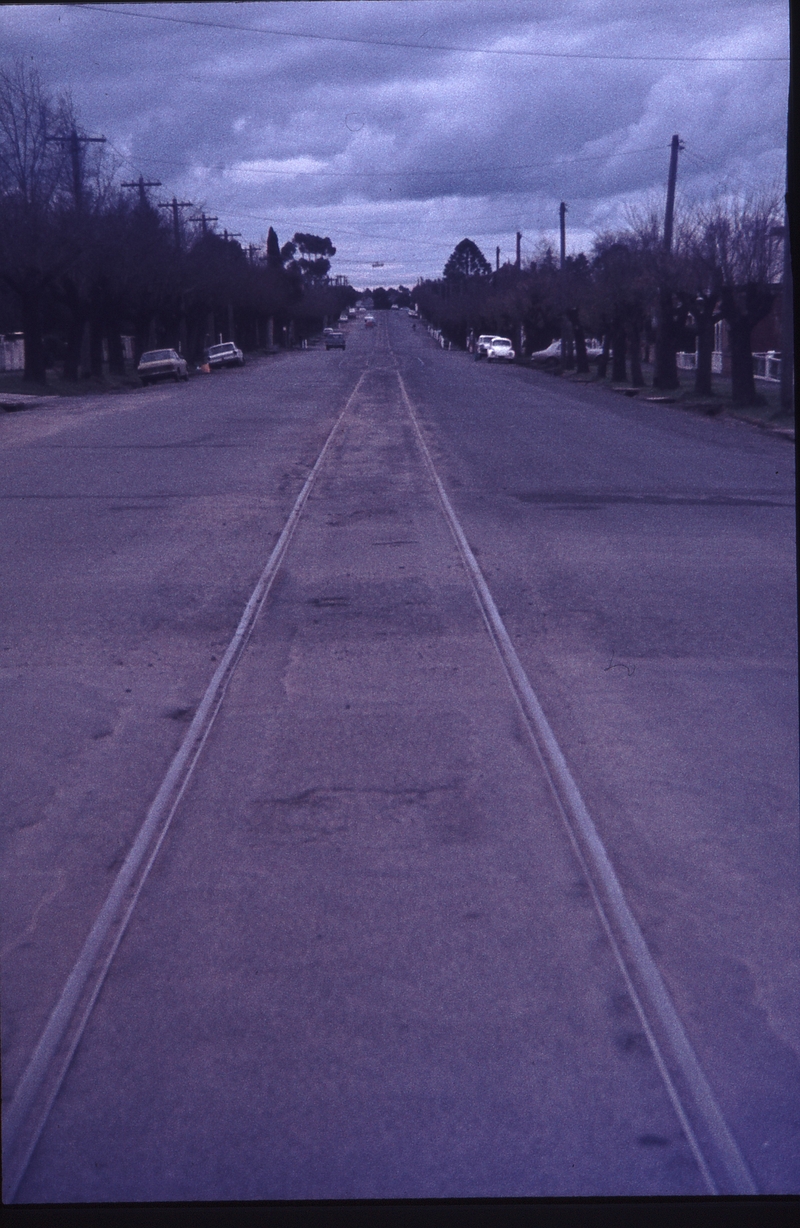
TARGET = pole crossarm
(141,183)
(74,140)
(175,205)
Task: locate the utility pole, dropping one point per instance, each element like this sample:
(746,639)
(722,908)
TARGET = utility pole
(74,141)
(567,346)
(231,236)
(666,372)
(496,259)
(519,241)
(141,184)
(204,220)
(175,205)
(673,175)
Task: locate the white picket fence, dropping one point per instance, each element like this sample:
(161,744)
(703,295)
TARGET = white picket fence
(766,366)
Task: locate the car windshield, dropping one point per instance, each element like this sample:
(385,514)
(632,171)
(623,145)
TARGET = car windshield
(227,348)
(501,341)
(156,355)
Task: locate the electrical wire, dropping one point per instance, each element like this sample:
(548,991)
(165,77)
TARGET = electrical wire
(374,174)
(381,42)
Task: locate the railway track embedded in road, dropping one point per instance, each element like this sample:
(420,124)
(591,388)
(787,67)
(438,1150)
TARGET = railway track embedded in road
(716,1152)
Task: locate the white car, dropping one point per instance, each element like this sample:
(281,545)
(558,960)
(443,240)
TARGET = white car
(161,364)
(594,349)
(226,354)
(500,348)
(483,343)
(553,350)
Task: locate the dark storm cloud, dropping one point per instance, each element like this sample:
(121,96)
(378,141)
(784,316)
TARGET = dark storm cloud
(398,152)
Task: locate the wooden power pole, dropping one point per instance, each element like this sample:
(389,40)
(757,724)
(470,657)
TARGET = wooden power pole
(175,205)
(519,250)
(567,344)
(666,372)
(74,141)
(141,183)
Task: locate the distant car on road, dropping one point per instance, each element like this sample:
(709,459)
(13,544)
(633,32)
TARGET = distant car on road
(343,318)
(483,343)
(161,364)
(500,349)
(334,340)
(369,321)
(395,306)
(226,354)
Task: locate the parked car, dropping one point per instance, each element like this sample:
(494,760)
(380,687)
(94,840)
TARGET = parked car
(343,318)
(226,354)
(552,354)
(483,343)
(395,306)
(161,364)
(500,348)
(369,321)
(334,340)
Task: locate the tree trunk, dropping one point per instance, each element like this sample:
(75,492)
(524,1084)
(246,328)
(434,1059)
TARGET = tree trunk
(567,349)
(581,359)
(705,348)
(743,307)
(72,357)
(637,379)
(76,313)
(96,346)
(32,330)
(743,384)
(602,365)
(116,354)
(619,372)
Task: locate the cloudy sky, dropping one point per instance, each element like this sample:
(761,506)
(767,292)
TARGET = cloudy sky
(398,127)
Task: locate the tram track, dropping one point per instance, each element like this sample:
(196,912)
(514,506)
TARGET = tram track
(44,1074)
(716,1153)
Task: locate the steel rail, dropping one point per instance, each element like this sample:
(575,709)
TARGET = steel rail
(721,1164)
(41,1081)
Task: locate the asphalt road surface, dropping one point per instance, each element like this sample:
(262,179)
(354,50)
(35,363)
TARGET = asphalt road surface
(475,870)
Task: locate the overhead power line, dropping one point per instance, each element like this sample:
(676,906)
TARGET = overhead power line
(374,174)
(273,31)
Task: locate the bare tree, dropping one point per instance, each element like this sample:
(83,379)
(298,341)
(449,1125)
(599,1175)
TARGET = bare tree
(735,248)
(33,186)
